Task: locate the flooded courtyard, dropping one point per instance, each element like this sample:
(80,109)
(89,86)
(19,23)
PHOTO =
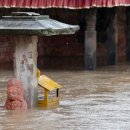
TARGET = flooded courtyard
(90,100)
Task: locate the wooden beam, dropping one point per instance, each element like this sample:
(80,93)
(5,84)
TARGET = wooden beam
(90,40)
(112,34)
(46,96)
(25,66)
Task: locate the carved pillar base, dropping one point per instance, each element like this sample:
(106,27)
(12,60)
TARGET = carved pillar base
(90,50)
(25,66)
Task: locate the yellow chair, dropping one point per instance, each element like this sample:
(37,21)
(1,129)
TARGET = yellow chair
(48,85)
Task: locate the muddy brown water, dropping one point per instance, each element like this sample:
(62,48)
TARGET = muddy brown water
(98,100)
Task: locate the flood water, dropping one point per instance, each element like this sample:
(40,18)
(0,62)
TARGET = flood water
(98,100)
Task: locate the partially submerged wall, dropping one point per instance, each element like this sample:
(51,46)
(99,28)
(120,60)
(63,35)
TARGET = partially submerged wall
(67,52)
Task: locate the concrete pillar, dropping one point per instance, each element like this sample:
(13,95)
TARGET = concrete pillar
(90,40)
(128,34)
(112,34)
(25,66)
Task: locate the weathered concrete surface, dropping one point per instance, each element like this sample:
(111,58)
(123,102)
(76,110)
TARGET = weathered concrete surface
(90,40)
(25,66)
(90,50)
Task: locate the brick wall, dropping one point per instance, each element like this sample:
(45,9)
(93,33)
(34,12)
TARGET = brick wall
(6,49)
(67,51)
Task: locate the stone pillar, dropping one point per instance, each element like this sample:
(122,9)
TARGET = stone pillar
(25,66)
(128,34)
(90,40)
(112,34)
